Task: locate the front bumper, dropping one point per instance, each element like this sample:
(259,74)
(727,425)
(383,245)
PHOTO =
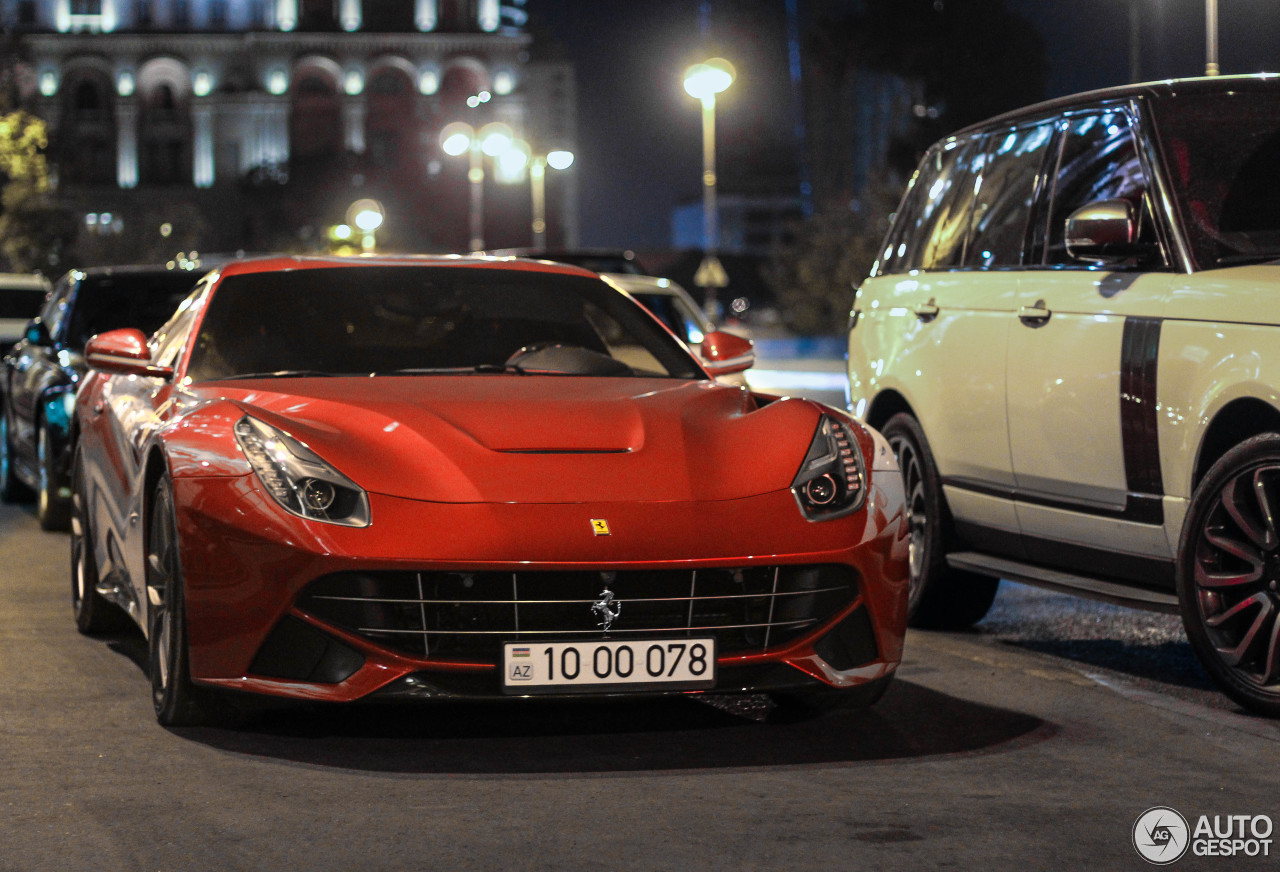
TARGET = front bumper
(258,620)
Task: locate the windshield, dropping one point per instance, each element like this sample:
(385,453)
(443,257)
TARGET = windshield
(1223,152)
(409,320)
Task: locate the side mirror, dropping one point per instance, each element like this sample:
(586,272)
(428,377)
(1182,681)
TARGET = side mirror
(724,353)
(123,352)
(36,333)
(1103,232)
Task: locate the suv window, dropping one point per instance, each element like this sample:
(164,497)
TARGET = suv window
(1002,204)
(933,221)
(1098,161)
(1223,156)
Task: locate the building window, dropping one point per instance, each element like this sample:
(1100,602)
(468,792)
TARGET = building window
(86,16)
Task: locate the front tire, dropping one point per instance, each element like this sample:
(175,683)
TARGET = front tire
(796,706)
(52,508)
(1228,573)
(176,700)
(939,597)
(12,490)
(93,613)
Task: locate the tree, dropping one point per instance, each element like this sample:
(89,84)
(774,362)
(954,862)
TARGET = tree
(32,228)
(814,276)
(957,61)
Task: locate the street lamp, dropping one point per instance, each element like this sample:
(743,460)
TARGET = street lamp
(460,138)
(557,160)
(1211,37)
(367,216)
(703,81)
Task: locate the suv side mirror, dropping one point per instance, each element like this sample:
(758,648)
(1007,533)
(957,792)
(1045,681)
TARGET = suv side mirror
(123,352)
(1103,232)
(724,353)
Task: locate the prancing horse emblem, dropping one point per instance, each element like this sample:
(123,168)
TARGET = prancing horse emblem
(601,608)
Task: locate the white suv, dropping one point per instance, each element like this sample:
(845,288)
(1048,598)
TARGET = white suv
(1072,340)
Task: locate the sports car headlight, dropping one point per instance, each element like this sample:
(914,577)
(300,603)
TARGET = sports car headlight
(298,480)
(831,482)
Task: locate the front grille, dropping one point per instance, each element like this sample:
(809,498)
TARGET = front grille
(469,615)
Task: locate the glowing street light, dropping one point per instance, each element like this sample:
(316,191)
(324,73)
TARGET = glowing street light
(494,139)
(367,216)
(703,82)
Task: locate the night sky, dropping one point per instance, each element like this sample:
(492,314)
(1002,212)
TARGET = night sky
(639,151)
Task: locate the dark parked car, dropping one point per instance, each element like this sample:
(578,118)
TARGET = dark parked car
(41,373)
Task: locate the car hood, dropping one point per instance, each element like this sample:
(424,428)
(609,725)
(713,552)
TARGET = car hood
(504,438)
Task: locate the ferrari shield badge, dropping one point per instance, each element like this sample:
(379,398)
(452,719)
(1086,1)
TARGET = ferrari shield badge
(600,526)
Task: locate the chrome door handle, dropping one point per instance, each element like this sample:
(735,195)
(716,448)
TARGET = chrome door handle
(927,311)
(1035,315)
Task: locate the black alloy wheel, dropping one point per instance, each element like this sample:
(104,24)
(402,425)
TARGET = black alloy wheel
(1229,573)
(176,700)
(53,507)
(93,613)
(12,489)
(938,597)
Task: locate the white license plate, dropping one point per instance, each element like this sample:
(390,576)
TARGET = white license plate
(666,664)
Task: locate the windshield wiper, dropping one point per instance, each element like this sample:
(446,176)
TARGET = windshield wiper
(279,373)
(456,370)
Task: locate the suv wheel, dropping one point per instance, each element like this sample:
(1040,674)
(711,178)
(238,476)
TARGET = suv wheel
(939,597)
(1229,573)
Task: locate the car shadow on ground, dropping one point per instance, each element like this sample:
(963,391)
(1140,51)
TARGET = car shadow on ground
(1167,663)
(556,737)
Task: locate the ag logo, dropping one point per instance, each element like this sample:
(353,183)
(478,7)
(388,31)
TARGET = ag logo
(600,526)
(1161,835)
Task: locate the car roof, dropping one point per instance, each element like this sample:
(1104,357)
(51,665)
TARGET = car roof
(292,262)
(1165,89)
(641,284)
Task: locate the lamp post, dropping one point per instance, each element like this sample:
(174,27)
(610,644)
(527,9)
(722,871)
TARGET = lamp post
(1211,37)
(703,82)
(493,140)
(557,160)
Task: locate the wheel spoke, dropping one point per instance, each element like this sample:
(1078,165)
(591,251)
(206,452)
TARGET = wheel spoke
(1266,612)
(1259,523)
(1271,662)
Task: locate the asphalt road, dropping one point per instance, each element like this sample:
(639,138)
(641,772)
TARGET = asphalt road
(1018,746)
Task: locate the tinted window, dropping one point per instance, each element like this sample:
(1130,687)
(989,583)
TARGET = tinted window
(1223,156)
(932,223)
(952,207)
(1098,161)
(1002,206)
(141,300)
(365,320)
(673,312)
(20,304)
